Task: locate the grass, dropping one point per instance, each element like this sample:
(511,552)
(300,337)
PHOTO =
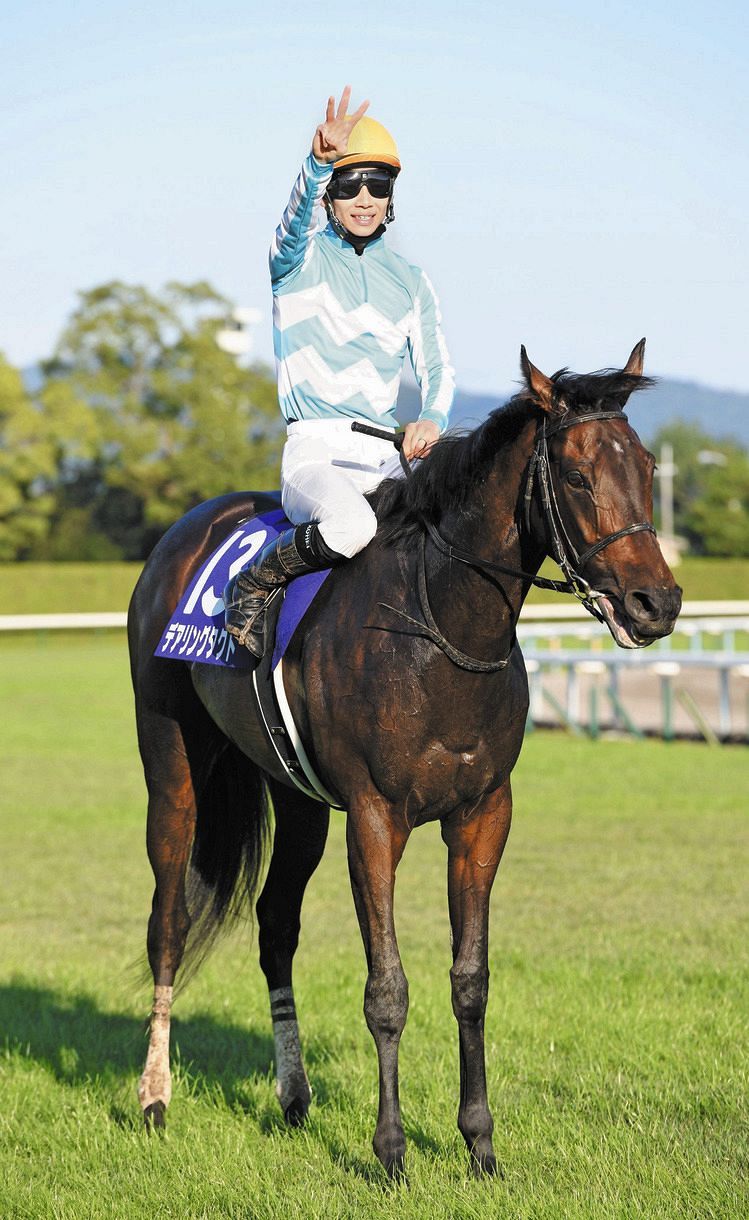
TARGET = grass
(37,588)
(701,580)
(616,1029)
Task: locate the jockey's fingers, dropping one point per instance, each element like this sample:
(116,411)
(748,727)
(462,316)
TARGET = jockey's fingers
(358,113)
(343,104)
(329,110)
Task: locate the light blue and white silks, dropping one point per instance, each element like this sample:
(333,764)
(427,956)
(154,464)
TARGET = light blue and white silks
(343,323)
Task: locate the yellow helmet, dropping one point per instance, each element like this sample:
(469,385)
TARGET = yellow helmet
(372,144)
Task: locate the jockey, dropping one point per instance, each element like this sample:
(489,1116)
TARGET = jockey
(346,310)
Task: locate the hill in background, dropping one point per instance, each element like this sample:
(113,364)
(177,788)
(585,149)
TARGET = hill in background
(720,413)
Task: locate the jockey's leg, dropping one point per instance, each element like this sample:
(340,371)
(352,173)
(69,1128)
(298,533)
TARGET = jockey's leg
(325,499)
(291,554)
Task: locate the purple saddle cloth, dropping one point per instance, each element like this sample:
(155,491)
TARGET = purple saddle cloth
(196,632)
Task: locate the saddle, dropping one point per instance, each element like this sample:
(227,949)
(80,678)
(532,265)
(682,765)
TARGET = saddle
(196,633)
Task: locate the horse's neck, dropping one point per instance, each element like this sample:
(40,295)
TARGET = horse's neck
(477,612)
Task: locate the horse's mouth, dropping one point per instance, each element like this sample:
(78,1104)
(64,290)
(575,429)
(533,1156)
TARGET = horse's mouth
(621,626)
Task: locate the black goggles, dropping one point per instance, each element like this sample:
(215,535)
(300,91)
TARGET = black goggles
(346,183)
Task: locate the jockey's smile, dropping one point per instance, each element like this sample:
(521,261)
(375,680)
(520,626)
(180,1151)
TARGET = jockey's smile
(362,215)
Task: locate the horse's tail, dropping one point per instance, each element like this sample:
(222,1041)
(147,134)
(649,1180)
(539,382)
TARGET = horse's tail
(228,852)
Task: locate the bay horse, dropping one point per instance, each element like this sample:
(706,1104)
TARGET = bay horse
(408,688)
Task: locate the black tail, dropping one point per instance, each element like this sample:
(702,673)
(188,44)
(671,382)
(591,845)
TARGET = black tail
(231,837)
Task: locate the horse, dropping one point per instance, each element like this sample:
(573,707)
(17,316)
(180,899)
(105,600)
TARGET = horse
(408,688)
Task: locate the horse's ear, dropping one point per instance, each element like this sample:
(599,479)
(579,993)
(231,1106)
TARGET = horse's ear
(538,383)
(636,360)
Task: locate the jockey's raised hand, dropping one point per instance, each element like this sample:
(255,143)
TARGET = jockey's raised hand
(331,138)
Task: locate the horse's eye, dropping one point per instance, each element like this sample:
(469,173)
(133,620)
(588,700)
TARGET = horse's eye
(575,479)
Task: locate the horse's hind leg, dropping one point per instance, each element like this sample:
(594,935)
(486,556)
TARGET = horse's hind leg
(474,850)
(298,844)
(171,826)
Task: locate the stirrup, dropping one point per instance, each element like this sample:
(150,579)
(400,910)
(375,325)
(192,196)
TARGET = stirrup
(245,614)
(247,625)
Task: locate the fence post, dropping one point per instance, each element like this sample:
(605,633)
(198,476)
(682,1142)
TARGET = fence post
(531,668)
(573,693)
(724,710)
(667,670)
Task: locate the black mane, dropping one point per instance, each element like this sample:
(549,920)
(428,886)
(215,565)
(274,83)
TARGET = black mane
(460,461)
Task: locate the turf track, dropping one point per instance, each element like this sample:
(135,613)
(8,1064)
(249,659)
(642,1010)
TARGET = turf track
(617,1023)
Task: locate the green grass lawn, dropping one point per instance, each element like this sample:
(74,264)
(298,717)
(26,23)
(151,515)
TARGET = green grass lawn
(617,1021)
(37,588)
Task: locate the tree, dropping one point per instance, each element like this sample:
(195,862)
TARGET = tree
(177,419)
(708,480)
(719,517)
(27,464)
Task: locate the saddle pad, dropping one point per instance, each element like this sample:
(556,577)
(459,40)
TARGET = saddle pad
(196,632)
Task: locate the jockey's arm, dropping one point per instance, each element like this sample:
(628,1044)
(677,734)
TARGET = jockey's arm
(432,369)
(297,227)
(298,223)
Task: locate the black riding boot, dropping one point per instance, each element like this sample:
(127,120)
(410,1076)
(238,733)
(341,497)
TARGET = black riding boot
(292,553)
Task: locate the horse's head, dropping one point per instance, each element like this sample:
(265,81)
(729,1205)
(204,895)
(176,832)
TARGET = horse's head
(596,492)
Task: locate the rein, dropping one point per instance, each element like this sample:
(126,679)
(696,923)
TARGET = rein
(564,552)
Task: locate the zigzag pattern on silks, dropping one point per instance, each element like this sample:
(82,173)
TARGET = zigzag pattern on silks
(343,325)
(333,387)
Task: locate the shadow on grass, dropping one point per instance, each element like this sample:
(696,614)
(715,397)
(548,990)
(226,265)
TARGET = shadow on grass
(79,1044)
(76,1042)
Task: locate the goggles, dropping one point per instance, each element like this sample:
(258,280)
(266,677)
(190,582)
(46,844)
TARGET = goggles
(346,183)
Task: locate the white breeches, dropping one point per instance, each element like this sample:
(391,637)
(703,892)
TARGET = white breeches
(326,470)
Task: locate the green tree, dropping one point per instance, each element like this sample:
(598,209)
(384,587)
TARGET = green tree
(177,419)
(27,464)
(719,516)
(39,437)
(705,465)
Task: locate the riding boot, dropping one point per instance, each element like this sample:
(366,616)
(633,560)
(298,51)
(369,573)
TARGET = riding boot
(293,553)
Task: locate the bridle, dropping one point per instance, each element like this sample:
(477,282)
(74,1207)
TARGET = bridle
(563,550)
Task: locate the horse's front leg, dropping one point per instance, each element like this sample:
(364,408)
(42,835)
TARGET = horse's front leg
(375,845)
(475,848)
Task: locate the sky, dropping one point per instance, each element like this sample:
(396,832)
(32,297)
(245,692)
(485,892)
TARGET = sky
(574,176)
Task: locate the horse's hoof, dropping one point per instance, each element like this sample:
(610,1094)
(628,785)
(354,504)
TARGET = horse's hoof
(395,1167)
(154,1117)
(485,1165)
(296,1112)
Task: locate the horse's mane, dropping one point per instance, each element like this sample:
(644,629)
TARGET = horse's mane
(461,460)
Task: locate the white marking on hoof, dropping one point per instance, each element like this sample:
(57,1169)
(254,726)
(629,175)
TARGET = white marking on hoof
(291,1078)
(156,1082)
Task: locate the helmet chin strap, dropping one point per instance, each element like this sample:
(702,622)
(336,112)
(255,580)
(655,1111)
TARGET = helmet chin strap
(359,243)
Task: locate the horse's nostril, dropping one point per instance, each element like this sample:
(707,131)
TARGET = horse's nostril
(641,604)
(648,604)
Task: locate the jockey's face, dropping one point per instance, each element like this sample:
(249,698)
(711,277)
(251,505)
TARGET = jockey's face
(361,216)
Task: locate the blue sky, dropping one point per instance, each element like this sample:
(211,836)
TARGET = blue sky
(573,178)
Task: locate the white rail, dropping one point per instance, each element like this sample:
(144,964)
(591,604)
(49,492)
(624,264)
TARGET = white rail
(534,620)
(573,611)
(61,622)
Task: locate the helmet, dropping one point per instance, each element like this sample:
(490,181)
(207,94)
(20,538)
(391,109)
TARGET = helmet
(370,144)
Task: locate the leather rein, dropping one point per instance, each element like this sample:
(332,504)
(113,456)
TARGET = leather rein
(563,550)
